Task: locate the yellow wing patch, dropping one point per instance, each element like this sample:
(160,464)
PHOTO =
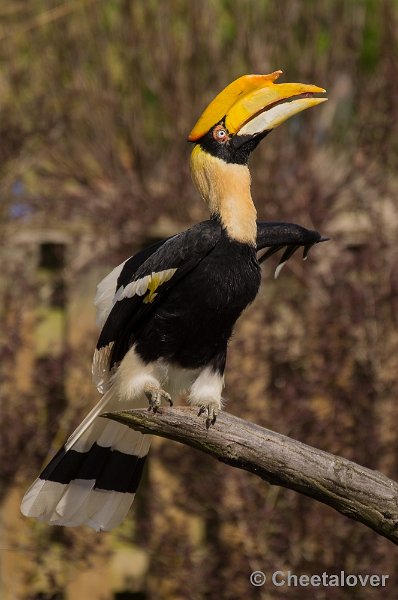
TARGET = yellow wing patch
(156,280)
(140,287)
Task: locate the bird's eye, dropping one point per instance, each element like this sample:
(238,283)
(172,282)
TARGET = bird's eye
(220,134)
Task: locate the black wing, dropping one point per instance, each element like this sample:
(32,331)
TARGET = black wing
(132,264)
(140,289)
(146,277)
(274,236)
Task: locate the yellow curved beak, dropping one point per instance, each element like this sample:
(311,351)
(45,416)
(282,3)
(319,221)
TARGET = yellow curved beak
(254,103)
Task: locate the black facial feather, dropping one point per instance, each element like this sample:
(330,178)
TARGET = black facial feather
(235,150)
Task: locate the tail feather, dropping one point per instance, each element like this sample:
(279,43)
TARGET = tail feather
(110,510)
(92,480)
(72,500)
(106,401)
(40,498)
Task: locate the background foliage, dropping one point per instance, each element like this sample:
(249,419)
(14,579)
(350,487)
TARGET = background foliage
(96,100)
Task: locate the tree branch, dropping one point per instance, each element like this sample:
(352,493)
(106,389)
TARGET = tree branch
(355,491)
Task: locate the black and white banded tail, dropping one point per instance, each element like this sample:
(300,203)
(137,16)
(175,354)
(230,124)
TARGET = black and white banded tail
(93,478)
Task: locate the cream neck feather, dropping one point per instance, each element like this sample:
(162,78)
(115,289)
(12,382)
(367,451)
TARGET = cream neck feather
(225,187)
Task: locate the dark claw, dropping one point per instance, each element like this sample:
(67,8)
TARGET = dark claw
(155,397)
(210,421)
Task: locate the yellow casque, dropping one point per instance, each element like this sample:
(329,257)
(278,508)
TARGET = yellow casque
(249,96)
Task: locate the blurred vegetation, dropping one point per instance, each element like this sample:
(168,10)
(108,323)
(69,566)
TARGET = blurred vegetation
(96,100)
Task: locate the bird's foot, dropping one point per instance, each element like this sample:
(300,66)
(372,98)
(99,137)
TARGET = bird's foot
(155,396)
(211,409)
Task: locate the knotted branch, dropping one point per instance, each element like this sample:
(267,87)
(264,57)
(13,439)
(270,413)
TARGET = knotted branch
(355,491)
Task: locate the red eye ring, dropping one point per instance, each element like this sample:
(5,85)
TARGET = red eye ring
(220,134)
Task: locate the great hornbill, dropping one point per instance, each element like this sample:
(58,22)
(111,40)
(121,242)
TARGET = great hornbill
(168,312)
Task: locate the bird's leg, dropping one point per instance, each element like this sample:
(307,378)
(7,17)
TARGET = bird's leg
(212,408)
(155,396)
(206,394)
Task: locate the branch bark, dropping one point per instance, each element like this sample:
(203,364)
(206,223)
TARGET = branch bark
(355,491)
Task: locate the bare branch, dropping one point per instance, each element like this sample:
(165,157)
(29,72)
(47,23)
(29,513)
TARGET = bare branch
(355,491)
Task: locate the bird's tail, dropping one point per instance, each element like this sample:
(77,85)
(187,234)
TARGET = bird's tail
(93,478)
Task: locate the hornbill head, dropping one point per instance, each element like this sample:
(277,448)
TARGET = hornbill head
(247,110)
